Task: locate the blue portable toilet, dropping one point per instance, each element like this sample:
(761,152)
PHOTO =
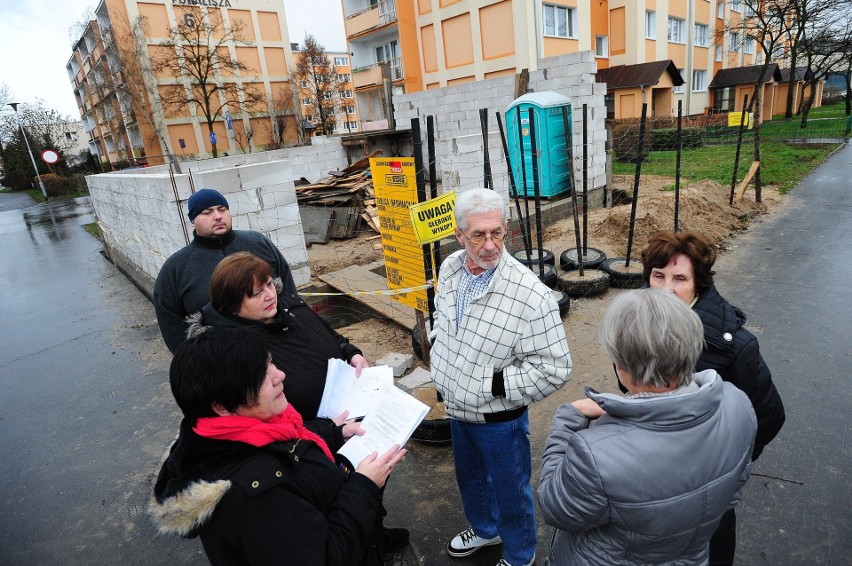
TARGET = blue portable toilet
(554,170)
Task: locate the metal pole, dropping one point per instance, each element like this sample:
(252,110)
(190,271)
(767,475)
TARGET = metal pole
(639,157)
(677,161)
(486,159)
(14,106)
(433,183)
(568,141)
(513,190)
(523,160)
(421,197)
(538,229)
(585,182)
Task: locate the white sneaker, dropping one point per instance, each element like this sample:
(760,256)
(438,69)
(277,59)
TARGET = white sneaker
(466,543)
(504,563)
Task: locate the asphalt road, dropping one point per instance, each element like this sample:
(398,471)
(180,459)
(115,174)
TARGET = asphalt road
(86,412)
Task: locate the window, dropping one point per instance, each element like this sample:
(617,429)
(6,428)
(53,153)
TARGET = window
(601,46)
(341,61)
(306,101)
(559,21)
(723,99)
(651,25)
(720,10)
(748,45)
(675,34)
(609,102)
(309,118)
(777,53)
(701,35)
(304,84)
(344,78)
(699,80)
(718,52)
(681,87)
(346,94)
(735,41)
(736,5)
(349,109)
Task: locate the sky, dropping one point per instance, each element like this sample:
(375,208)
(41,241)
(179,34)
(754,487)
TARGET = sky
(35,44)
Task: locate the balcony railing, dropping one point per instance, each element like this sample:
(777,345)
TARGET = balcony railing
(373,75)
(373,17)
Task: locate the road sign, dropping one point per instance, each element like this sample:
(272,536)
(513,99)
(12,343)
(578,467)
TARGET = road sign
(212,138)
(228,119)
(49,156)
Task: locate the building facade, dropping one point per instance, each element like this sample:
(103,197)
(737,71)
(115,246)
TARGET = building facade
(120,83)
(411,45)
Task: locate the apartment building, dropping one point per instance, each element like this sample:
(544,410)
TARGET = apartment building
(411,45)
(342,93)
(120,90)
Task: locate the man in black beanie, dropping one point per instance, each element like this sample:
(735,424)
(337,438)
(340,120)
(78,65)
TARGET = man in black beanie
(182,286)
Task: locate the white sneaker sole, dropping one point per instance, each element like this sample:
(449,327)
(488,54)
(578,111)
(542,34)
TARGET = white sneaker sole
(462,553)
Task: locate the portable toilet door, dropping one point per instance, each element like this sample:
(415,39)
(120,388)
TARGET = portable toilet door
(554,170)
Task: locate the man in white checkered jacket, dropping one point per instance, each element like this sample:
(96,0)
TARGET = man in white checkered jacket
(498,345)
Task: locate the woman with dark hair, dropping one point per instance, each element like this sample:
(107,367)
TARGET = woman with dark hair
(257,484)
(682,263)
(244,295)
(613,479)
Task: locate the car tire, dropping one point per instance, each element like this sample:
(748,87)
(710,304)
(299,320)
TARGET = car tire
(591,259)
(622,276)
(547,257)
(593,282)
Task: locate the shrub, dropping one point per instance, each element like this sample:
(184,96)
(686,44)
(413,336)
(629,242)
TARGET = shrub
(58,186)
(666,139)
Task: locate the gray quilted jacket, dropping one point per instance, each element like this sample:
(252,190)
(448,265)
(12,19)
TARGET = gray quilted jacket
(648,482)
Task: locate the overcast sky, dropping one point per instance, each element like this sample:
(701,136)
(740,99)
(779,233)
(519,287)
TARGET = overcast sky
(35,44)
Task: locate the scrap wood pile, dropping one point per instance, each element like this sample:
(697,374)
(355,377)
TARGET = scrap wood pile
(339,202)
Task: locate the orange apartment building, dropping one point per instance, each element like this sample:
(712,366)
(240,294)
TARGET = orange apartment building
(412,45)
(139,129)
(345,110)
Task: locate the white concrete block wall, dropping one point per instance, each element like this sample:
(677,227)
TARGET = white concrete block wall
(456,113)
(141,220)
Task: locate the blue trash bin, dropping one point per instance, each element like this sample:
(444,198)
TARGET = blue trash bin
(554,170)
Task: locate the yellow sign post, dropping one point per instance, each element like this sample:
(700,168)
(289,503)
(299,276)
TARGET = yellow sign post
(434,219)
(395,184)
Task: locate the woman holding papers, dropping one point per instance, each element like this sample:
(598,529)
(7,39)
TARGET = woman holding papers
(243,294)
(245,474)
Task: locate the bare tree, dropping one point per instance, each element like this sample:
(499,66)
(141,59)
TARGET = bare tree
(315,77)
(133,79)
(197,53)
(285,115)
(825,48)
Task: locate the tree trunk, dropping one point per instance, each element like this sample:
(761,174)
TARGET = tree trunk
(758,104)
(791,87)
(809,103)
(848,77)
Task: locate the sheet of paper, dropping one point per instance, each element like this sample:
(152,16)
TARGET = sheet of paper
(343,391)
(391,421)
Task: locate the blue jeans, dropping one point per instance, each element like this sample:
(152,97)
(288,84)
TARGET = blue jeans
(493,470)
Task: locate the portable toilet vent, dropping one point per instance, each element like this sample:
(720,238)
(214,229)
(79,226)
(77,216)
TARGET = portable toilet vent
(554,170)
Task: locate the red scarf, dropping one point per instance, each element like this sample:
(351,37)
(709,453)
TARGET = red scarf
(285,426)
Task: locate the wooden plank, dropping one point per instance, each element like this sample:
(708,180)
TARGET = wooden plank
(742,188)
(360,278)
(362,164)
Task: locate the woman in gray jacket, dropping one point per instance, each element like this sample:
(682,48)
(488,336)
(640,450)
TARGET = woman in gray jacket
(645,478)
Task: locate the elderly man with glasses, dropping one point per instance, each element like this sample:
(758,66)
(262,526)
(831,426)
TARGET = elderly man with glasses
(498,346)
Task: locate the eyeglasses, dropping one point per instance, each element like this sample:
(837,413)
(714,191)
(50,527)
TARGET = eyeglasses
(478,238)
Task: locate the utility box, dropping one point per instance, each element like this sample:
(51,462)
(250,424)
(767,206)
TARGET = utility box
(554,169)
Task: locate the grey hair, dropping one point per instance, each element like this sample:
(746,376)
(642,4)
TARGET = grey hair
(478,201)
(653,335)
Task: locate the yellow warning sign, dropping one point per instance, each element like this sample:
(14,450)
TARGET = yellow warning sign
(395,184)
(734,119)
(434,219)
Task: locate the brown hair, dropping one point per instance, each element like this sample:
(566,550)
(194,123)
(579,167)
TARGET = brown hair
(663,246)
(235,279)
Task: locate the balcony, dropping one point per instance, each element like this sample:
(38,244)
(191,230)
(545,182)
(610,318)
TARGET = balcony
(373,17)
(373,75)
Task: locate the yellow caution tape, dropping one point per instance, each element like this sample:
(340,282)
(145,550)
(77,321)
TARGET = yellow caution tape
(386,292)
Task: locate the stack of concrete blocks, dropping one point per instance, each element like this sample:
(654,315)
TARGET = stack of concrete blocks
(458,130)
(142,222)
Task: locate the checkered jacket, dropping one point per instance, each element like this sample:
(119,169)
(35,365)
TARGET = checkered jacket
(514,326)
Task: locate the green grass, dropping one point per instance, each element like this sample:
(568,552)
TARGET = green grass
(38,197)
(783,165)
(94,230)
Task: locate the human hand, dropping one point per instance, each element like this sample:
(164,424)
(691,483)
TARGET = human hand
(588,408)
(352,428)
(378,468)
(359,362)
(341,418)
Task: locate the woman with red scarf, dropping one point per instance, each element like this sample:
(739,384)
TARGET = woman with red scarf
(257,484)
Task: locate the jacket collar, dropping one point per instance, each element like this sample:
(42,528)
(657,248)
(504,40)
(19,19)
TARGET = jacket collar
(212,243)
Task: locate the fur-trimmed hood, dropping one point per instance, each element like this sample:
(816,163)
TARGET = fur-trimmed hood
(184,513)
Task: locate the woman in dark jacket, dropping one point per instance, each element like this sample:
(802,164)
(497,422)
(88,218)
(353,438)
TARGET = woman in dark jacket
(682,263)
(243,295)
(247,476)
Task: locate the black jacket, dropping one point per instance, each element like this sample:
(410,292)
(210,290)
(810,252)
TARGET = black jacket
(284,503)
(734,352)
(301,343)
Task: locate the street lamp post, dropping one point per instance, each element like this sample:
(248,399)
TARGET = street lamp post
(14,106)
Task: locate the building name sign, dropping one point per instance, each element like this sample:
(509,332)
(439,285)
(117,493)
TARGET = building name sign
(210,3)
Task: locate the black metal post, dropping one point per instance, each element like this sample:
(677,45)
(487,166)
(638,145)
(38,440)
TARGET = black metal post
(483,120)
(537,195)
(513,191)
(677,162)
(433,185)
(421,196)
(569,147)
(585,181)
(523,160)
(640,155)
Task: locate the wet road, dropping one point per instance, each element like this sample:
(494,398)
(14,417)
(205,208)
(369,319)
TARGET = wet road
(84,397)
